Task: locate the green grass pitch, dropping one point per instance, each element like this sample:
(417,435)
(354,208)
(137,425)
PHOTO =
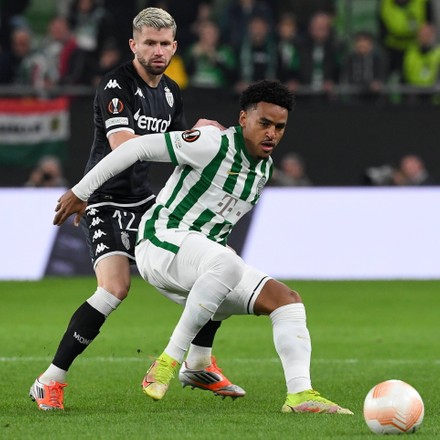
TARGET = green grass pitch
(362,333)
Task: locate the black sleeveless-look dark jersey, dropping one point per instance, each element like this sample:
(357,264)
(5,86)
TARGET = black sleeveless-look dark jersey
(123,101)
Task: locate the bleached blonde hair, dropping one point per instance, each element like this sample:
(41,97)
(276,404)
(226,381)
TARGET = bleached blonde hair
(156,18)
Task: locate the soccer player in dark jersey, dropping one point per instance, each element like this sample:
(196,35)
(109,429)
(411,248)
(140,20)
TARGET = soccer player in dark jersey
(135,99)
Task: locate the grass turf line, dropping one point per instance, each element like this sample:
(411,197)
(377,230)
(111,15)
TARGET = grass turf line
(362,333)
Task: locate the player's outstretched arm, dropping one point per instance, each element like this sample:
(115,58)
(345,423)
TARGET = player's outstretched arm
(67,205)
(148,147)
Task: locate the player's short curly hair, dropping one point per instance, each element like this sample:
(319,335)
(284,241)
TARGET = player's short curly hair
(272,91)
(156,18)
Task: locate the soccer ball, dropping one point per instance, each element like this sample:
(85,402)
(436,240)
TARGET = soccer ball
(393,407)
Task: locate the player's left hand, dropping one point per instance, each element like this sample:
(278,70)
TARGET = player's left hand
(69,204)
(204,122)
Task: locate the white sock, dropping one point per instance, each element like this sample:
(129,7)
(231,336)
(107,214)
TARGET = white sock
(53,373)
(292,343)
(205,296)
(104,301)
(198,357)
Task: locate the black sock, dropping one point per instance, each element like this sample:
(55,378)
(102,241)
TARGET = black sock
(82,329)
(205,337)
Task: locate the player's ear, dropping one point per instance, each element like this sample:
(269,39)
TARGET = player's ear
(132,44)
(242,118)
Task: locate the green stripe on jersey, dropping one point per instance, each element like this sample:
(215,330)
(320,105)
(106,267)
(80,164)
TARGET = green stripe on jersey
(254,164)
(250,179)
(231,180)
(207,176)
(186,170)
(215,231)
(205,217)
(150,231)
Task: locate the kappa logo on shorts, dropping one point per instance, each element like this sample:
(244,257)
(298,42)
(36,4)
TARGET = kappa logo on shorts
(115,106)
(96,221)
(100,248)
(190,135)
(91,211)
(98,234)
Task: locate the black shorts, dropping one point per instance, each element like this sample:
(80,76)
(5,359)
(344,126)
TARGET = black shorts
(111,228)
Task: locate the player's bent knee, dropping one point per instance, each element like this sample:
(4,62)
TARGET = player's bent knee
(274,295)
(295,296)
(120,291)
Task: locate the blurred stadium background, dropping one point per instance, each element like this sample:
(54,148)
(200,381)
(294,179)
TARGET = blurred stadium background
(371,230)
(344,227)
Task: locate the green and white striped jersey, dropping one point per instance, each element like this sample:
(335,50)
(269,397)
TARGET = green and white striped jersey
(214,184)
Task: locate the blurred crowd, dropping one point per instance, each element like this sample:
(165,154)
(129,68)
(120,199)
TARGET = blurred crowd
(230,43)
(226,44)
(409,170)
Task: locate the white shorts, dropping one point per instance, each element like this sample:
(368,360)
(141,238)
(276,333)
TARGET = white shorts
(173,274)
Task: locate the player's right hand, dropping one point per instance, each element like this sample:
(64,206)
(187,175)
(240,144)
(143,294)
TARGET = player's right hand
(69,204)
(204,122)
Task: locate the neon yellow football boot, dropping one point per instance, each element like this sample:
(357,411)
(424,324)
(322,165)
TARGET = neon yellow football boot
(159,375)
(310,401)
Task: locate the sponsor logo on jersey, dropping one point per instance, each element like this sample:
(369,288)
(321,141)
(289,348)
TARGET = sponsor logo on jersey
(116,121)
(169,96)
(152,124)
(227,205)
(139,92)
(190,135)
(125,238)
(115,106)
(112,84)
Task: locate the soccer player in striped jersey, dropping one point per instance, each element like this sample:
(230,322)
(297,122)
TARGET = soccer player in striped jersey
(181,247)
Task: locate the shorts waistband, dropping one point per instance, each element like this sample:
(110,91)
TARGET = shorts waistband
(125,205)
